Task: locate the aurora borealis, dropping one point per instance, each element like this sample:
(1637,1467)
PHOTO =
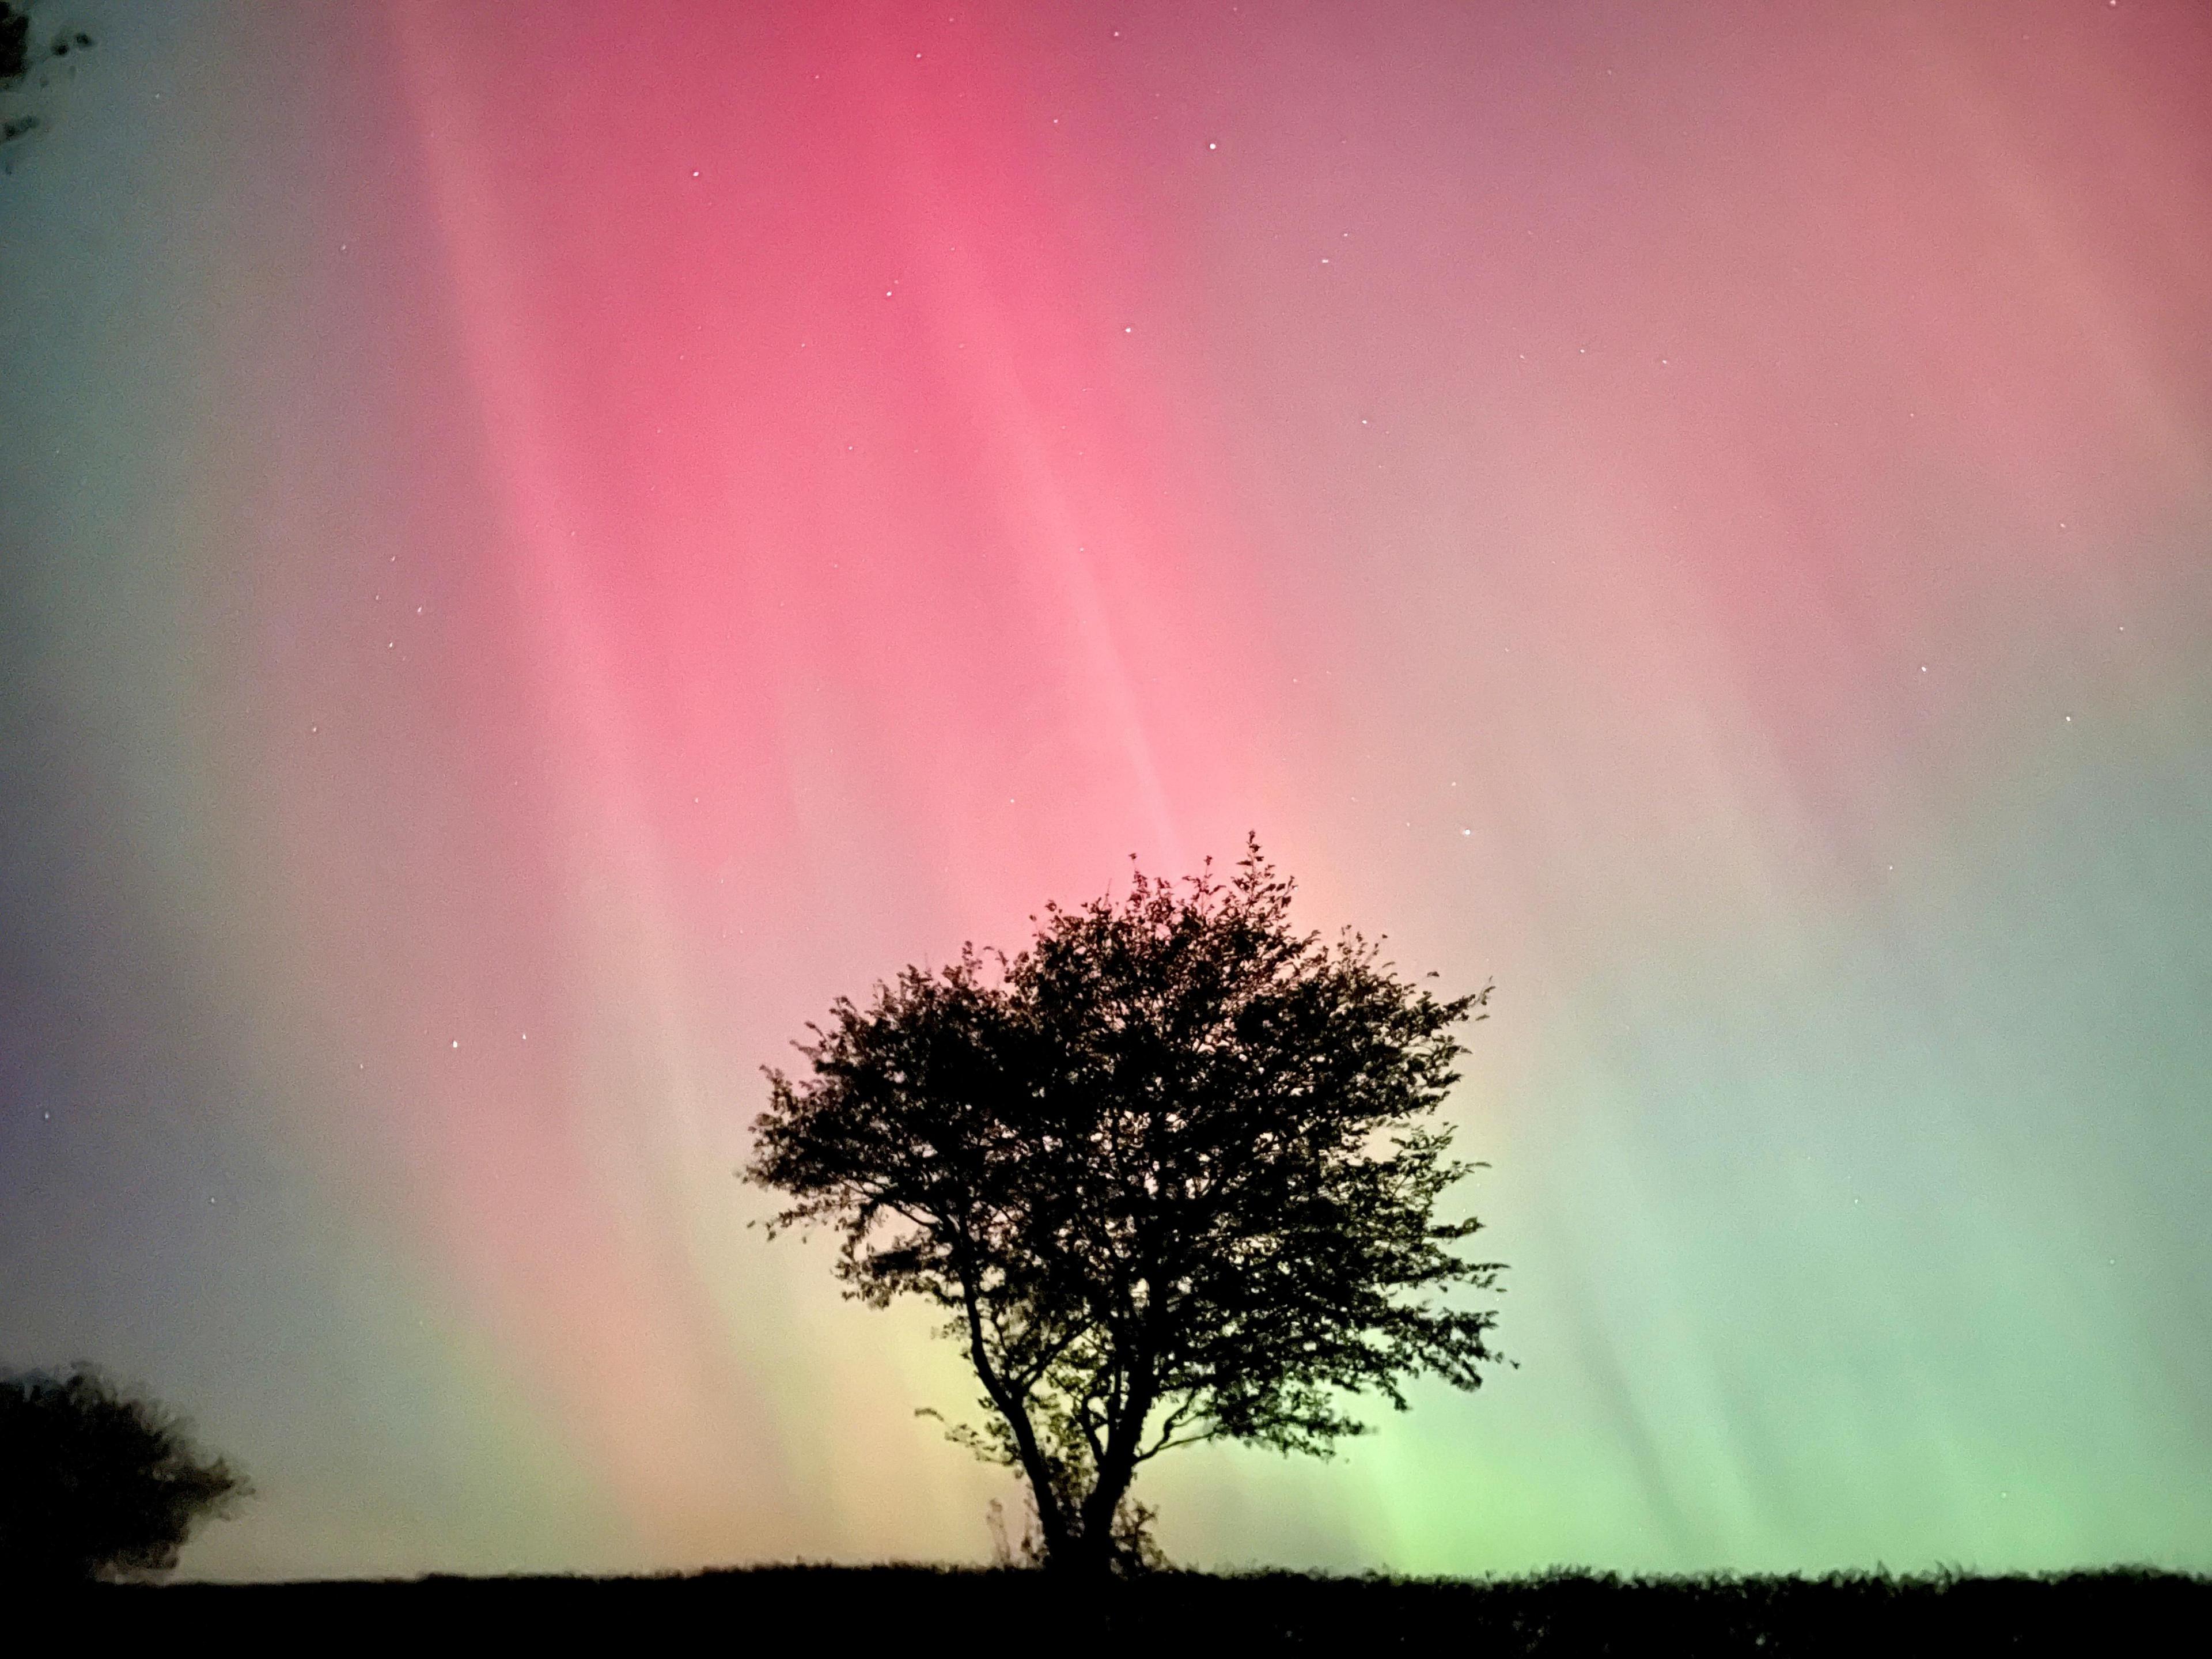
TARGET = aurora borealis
(544,544)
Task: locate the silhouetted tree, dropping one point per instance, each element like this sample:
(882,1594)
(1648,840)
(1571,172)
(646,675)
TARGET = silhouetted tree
(96,1484)
(1167,1171)
(17,57)
(14,42)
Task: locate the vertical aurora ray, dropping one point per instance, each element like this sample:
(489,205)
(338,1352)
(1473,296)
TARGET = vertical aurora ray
(538,553)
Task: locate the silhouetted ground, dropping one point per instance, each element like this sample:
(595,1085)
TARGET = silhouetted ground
(2120,1611)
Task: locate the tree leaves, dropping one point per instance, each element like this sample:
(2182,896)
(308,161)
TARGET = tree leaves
(94,1482)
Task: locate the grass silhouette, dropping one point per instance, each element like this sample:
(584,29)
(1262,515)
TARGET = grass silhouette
(1561,1611)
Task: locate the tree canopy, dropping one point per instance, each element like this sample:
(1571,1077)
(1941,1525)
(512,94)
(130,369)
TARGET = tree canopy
(95,1483)
(1170,1172)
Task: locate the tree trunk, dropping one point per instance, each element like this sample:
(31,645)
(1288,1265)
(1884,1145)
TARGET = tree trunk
(1088,1552)
(1050,1519)
(1085,1558)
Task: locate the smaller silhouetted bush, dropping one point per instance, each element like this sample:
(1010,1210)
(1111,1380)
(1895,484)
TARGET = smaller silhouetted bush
(96,1484)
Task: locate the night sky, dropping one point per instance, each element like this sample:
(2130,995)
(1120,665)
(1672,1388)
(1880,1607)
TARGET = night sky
(543,543)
